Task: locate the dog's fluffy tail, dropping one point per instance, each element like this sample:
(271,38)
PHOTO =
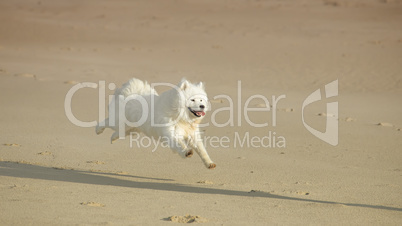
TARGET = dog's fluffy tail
(135,86)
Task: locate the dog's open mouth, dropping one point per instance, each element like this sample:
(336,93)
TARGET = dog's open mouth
(197,113)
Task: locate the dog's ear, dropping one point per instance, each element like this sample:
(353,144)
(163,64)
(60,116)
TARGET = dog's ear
(201,85)
(184,84)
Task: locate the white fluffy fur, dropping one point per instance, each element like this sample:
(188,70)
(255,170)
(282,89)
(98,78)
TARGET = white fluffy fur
(177,111)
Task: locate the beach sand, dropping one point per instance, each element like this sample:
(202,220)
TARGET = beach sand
(53,172)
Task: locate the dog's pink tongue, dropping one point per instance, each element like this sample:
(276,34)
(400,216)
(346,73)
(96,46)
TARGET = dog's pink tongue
(202,113)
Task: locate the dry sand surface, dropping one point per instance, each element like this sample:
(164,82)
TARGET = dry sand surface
(53,172)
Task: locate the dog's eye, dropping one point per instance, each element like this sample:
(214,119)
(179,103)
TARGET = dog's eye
(192,100)
(200,100)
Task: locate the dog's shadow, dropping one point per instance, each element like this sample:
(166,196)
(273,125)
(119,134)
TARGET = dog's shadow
(22,170)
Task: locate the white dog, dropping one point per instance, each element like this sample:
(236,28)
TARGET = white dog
(173,116)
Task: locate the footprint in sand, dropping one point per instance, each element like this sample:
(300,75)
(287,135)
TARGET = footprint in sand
(45,153)
(302,193)
(96,162)
(349,119)
(26,75)
(62,168)
(326,114)
(95,204)
(286,109)
(187,219)
(12,145)
(122,173)
(71,82)
(205,182)
(385,124)
(15,186)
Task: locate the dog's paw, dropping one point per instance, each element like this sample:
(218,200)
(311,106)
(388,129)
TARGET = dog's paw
(189,153)
(211,166)
(115,136)
(99,129)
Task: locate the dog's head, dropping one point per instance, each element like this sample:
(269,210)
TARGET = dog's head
(196,100)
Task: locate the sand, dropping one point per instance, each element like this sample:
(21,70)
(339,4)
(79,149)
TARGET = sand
(53,172)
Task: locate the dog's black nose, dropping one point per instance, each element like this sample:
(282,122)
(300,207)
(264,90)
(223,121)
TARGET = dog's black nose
(202,106)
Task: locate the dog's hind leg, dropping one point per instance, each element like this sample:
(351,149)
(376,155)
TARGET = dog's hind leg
(100,127)
(115,136)
(129,132)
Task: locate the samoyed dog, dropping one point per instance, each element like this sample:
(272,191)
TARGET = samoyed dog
(174,115)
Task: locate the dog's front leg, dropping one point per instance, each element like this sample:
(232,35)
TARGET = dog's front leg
(202,152)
